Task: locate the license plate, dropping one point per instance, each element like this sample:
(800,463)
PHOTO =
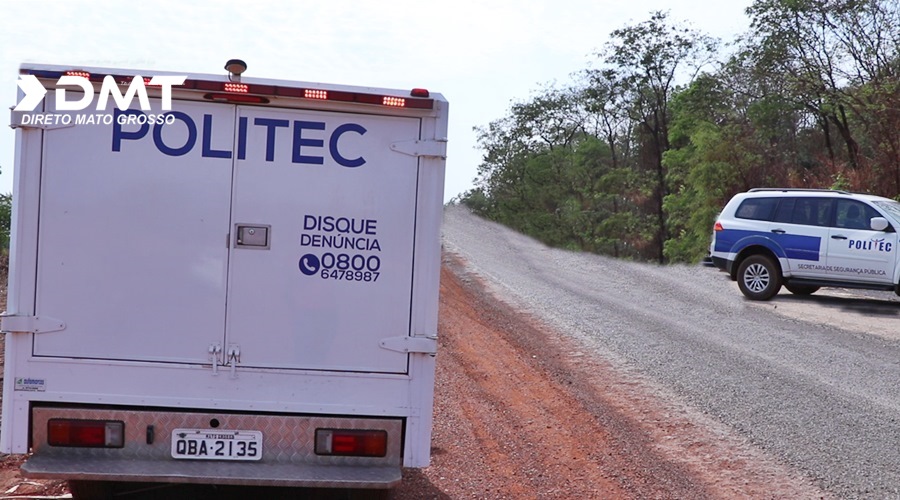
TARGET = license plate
(215,444)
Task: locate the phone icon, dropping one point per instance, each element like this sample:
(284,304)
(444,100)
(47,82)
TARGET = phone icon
(309,264)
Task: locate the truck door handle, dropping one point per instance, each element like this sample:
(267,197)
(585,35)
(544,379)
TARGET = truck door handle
(838,237)
(779,231)
(252,236)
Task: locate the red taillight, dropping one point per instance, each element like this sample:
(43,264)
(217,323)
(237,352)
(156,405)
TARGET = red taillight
(351,443)
(718,227)
(83,74)
(86,433)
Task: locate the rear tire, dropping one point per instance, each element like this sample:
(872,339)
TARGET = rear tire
(801,289)
(759,277)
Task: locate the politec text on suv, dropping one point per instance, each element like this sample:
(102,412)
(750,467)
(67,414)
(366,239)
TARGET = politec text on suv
(805,239)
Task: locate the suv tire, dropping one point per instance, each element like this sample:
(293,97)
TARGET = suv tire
(759,277)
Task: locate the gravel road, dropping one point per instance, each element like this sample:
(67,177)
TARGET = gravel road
(809,380)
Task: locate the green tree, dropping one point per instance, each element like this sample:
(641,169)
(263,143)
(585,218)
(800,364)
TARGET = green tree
(5,220)
(524,179)
(638,155)
(839,61)
(711,155)
(648,59)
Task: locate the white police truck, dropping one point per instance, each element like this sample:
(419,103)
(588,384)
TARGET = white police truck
(805,239)
(221,280)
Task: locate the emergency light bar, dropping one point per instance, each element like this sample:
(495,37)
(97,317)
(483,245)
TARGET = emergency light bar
(258,93)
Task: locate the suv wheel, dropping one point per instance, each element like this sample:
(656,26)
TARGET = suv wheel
(759,277)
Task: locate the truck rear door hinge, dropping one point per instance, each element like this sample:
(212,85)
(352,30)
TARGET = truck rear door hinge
(220,356)
(12,323)
(434,149)
(424,345)
(214,351)
(233,357)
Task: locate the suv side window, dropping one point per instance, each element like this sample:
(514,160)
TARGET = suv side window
(757,209)
(852,214)
(785,211)
(812,211)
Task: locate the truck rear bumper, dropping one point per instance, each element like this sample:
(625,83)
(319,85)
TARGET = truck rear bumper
(241,473)
(288,454)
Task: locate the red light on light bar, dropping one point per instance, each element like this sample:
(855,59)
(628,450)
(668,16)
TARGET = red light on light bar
(315,94)
(83,74)
(351,443)
(147,82)
(86,433)
(397,102)
(420,93)
(237,87)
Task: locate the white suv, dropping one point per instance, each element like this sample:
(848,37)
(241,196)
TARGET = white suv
(806,239)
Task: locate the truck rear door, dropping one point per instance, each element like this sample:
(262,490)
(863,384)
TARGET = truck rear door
(278,238)
(131,242)
(338,207)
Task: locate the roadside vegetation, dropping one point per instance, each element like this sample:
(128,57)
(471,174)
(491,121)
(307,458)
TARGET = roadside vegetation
(5,225)
(636,154)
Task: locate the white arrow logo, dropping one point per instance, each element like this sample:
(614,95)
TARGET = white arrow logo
(34,92)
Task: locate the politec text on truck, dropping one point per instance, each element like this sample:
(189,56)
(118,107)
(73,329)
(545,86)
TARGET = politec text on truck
(239,289)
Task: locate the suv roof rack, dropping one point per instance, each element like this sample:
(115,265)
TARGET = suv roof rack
(756,190)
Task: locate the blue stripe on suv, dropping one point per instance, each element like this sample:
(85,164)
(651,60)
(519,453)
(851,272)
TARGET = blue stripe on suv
(791,246)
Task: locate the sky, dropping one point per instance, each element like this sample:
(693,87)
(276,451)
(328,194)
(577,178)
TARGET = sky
(481,55)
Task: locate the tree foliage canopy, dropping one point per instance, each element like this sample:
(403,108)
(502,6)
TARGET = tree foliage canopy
(635,157)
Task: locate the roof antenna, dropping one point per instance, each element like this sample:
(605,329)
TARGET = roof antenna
(235,67)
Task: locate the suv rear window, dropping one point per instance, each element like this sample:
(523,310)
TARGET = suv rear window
(757,209)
